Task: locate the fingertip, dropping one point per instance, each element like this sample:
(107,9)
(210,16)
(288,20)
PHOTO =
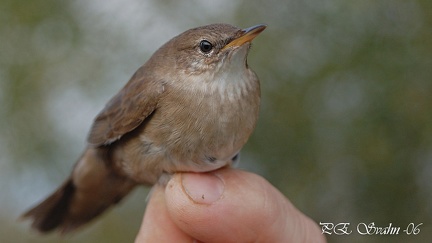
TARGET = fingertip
(157,225)
(204,188)
(231,208)
(231,205)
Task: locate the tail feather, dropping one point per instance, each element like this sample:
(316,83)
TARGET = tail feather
(67,208)
(92,188)
(49,214)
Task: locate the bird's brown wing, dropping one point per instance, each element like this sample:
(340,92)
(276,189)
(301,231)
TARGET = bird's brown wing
(128,109)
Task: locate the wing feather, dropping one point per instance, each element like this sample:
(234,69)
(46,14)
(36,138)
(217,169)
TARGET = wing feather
(127,109)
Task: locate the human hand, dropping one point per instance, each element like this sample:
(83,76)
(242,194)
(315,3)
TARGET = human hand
(226,205)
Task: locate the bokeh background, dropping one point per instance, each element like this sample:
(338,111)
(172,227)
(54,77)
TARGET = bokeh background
(345,130)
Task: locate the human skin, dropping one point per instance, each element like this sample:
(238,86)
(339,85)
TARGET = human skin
(227,205)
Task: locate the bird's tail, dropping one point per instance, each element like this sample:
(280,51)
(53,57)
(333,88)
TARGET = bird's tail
(90,190)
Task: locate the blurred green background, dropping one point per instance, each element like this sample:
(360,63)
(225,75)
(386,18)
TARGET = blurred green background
(345,130)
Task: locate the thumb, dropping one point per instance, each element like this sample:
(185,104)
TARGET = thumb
(231,205)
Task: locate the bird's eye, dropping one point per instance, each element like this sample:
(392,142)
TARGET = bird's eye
(205,46)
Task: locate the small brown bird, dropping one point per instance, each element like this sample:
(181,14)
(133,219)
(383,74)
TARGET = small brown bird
(191,107)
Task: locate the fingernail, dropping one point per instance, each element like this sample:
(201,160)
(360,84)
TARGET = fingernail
(204,188)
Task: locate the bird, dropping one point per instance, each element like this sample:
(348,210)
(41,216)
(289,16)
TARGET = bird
(190,108)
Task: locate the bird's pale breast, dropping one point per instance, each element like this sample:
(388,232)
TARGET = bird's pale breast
(194,129)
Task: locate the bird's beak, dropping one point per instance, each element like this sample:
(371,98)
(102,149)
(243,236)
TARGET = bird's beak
(247,35)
